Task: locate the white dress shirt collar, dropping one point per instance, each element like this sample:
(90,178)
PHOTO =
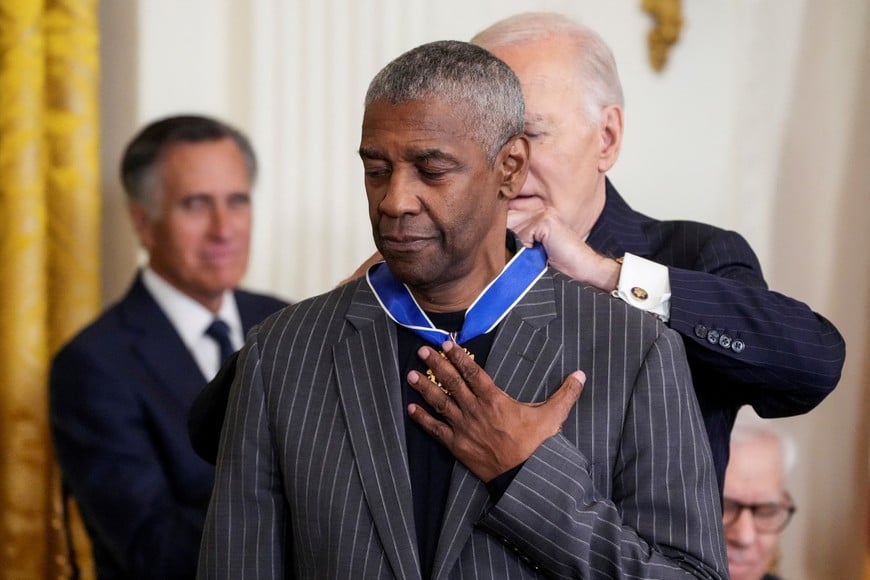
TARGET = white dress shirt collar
(190,320)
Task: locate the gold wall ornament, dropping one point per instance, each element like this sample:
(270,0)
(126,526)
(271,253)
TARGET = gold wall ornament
(668,15)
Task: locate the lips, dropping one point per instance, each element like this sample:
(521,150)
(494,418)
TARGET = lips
(221,256)
(740,567)
(526,203)
(403,242)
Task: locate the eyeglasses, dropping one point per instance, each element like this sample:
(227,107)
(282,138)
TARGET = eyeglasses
(768,517)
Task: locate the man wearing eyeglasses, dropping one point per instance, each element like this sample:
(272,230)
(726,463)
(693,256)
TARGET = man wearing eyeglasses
(756,505)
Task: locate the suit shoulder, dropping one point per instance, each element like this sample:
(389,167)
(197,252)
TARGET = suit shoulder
(258,299)
(589,305)
(254,307)
(315,314)
(103,329)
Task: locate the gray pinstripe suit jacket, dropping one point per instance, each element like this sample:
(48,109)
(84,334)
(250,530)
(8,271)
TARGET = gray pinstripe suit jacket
(312,478)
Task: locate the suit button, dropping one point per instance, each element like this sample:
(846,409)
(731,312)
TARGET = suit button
(724,341)
(701,331)
(737,345)
(713,336)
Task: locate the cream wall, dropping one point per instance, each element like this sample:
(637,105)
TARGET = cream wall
(758,124)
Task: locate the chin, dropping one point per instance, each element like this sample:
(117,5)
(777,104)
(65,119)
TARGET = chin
(744,571)
(518,215)
(408,272)
(416,273)
(226,280)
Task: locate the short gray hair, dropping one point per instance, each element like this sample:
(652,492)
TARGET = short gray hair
(460,74)
(596,66)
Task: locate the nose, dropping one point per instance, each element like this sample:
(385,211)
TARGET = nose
(742,531)
(220,221)
(399,196)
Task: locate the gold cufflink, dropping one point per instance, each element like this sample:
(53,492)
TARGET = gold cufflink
(639,293)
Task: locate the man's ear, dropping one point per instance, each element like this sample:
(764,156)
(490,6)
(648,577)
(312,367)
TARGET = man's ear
(514,164)
(610,128)
(142,224)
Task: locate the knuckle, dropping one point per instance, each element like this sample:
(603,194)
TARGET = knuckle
(470,370)
(439,432)
(442,405)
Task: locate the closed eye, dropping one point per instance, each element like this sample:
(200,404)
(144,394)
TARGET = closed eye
(432,174)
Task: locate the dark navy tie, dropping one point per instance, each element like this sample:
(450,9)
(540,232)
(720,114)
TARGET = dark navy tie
(220,332)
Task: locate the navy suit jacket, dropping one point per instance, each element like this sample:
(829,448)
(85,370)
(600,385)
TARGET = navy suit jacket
(120,392)
(746,345)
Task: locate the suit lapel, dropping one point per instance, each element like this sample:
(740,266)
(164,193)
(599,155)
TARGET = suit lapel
(521,359)
(159,347)
(369,389)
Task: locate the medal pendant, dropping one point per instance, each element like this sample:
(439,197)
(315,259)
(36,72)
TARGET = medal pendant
(431,375)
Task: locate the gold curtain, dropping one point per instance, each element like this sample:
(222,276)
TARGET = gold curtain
(49,254)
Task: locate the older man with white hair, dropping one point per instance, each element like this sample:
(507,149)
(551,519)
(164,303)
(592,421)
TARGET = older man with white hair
(757,505)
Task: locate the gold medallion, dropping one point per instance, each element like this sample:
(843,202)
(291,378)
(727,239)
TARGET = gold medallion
(431,375)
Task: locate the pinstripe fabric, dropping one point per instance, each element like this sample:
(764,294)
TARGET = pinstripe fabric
(312,478)
(792,357)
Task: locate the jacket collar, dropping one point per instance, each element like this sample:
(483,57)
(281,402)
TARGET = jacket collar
(619,229)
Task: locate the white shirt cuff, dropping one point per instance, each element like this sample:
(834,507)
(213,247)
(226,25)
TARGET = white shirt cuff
(646,285)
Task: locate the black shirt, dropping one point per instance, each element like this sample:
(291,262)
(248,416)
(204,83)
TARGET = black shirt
(429,462)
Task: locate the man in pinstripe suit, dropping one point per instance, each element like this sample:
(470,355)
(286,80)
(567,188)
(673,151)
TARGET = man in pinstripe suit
(746,344)
(353,449)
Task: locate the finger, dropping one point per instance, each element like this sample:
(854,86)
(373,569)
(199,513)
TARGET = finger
(435,428)
(473,378)
(440,401)
(446,373)
(564,399)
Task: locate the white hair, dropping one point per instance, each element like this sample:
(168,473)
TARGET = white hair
(596,66)
(750,427)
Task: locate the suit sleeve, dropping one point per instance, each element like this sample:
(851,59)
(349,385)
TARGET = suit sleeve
(661,519)
(206,418)
(780,356)
(111,465)
(244,535)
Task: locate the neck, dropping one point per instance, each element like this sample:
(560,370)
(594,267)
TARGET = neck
(460,293)
(210,300)
(591,212)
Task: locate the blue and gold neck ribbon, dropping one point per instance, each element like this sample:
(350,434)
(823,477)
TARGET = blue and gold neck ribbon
(484,314)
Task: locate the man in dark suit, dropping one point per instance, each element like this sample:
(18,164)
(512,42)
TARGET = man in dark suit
(746,344)
(353,449)
(120,391)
